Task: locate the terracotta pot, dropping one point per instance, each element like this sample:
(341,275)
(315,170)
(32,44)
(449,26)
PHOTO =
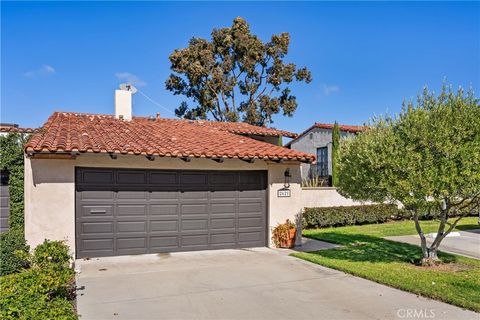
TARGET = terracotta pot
(290,243)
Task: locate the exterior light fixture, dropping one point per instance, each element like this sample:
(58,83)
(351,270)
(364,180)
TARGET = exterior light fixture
(287,175)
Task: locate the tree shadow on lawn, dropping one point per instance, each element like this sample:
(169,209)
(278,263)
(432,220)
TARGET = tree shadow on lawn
(364,248)
(474,228)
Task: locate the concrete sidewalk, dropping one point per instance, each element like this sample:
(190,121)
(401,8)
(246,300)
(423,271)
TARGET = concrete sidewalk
(238,284)
(465,243)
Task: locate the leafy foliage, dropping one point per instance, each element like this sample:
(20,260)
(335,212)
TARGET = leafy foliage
(12,244)
(343,216)
(335,147)
(235,76)
(52,254)
(11,161)
(427,158)
(43,291)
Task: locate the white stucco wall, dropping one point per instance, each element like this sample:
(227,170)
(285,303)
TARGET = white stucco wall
(50,190)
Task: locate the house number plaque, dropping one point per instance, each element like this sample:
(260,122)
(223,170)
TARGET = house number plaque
(283,193)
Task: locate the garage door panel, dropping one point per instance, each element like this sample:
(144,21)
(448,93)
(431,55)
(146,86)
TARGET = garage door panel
(165,242)
(131,226)
(194,209)
(132,243)
(164,209)
(223,223)
(221,195)
(132,195)
(194,195)
(95,177)
(250,207)
(251,194)
(126,177)
(223,238)
(97,227)
(195,225)
(222,208)
(129,210)
(140,211)
(97,244)
(250,222)
(250,236)
(193,240)
(163,226)
(190,179)
(96,195)
(164,195)
(96,210)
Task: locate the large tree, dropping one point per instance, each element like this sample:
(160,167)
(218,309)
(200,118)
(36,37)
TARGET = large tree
(235,76)
(427,158)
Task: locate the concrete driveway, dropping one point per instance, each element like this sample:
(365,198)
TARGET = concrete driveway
(239,284)
(465,243)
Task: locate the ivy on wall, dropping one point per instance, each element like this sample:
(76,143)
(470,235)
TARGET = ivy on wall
(335,147)
(11,162)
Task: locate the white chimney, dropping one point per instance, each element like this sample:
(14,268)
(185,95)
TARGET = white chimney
(123,104)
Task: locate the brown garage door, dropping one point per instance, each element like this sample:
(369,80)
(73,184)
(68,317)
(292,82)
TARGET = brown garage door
(122,211)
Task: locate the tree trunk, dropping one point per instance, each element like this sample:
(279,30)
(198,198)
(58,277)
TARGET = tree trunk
(429,254)
(430,257)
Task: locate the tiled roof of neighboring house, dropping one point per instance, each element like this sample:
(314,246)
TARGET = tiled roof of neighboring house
(16,129)
(343,127)
(245,128)
(75,132)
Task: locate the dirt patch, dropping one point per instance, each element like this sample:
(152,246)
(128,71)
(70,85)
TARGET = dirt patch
(446,267)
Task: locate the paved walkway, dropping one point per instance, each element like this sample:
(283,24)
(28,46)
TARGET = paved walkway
(465,243)
(239,284)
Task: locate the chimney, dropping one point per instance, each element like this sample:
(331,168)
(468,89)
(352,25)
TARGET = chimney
(123,104)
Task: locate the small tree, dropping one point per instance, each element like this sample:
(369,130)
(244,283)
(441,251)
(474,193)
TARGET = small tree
(335,148)
(235,76)
(427,158)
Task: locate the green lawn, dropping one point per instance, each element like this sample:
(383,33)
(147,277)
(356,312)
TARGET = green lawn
(366,254)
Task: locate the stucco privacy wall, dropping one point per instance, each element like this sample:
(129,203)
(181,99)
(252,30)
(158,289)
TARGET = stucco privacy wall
(50,190)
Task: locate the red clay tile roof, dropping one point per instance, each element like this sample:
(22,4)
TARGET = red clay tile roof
(16,129)
(245,128)
(74,132)
(343,127)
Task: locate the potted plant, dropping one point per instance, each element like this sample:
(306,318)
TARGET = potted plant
(283,235)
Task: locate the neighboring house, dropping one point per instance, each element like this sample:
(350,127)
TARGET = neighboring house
(116,184)
(6,128)
(318,140)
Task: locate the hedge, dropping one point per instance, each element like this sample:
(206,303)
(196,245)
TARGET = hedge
(12,243)
(43,291)
(343,216)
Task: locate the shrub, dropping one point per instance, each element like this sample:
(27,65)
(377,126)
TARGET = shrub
(51,254)
(342,216)
(12,244)
(45,290)
(37,293)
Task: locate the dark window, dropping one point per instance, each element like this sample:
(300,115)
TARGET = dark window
(322,161)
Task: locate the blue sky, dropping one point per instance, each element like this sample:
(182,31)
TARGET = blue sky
(365,57)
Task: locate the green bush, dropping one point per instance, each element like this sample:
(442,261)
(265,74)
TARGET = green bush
(12,244)
(45,290)
(52,254)
(37,293)
(342,216)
